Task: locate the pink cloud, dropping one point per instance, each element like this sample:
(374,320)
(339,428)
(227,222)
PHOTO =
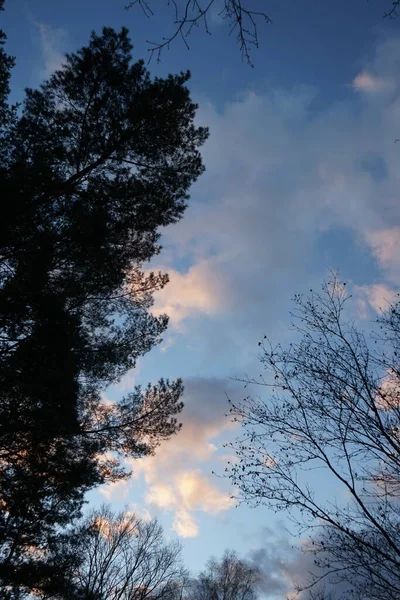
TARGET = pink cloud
(178,477)
(194,293)
(198,493)
(385,246)
(368,83)
(388,394)
(186,492)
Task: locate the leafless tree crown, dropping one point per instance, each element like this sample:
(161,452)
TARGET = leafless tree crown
(331,413)
(127,558)
(243,22)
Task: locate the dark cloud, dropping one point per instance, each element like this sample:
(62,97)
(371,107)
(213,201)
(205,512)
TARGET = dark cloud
(206,401)
(284,566)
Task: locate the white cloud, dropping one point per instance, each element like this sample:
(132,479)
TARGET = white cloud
(52,42)
(185,525)
(377,295)
(116,492)
(281,178)
(128,381)
(167,343)
(385,246)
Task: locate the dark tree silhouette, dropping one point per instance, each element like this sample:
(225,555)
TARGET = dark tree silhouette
(6,64)
(118,556)
(97,160)
(320,593)
(333,409)
(231,578)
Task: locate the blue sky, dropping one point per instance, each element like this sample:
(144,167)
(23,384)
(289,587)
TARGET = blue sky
(302,176)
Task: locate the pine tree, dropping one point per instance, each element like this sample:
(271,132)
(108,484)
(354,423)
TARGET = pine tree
(95,162)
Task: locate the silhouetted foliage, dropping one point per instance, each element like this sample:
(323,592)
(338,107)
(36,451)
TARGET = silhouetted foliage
(231,578)
(100,157)
(6,64)
(119,556)
(333,408)
(320,593)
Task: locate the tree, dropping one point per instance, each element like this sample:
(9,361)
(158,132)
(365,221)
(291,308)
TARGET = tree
(320,593)
(393,11)
(6,64)
(120,556)
(333,410)
(93,165)
(242,18)
(231,578)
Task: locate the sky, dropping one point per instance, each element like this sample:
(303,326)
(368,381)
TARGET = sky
(301,177)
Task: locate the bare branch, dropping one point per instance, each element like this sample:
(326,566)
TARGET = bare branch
(242,22)
(333,405)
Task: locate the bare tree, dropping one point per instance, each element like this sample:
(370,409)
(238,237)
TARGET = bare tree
(319,593)
(228,579)
(242,20)
(332,414)
(123,557)
(393,11)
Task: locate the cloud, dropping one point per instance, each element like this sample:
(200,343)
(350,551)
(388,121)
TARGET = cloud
(377,295)
(197,492)
(283,181)
(116,492)
(52,42)
(368,83)
(281,563)
(379,76)
(284,565)
(385,246)
(285,178)
(128,380)
(167,343)
(388,394)
(178,477)
(187,492)
(195,292)
(185,525)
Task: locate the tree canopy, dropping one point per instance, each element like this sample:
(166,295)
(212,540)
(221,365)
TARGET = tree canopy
(334,407)
(6,64)
(230,578)
(92,165)
(119,556)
